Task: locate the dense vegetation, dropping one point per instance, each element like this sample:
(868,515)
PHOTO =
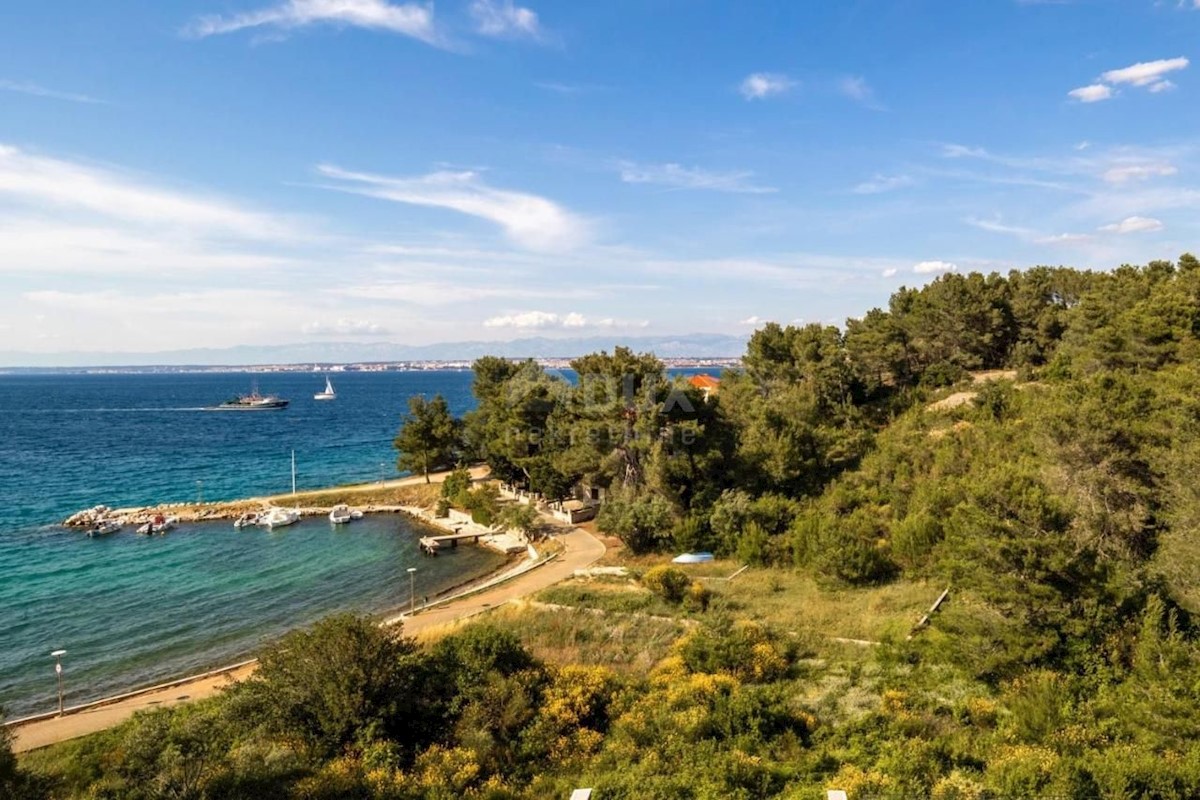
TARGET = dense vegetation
(1057,501)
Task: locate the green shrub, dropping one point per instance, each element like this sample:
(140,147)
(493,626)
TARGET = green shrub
(698,597)
(670,583)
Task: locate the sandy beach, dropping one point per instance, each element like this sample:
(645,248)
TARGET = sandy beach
(516,580)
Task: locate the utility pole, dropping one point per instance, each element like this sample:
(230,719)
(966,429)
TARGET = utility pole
(58,654)
(412,590)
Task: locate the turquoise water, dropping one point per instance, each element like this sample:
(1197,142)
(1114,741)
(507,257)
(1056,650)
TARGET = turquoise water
(133,610)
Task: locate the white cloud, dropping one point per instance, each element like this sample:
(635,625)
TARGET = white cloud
(566,89)
(890,272)
(680,177)
(544,320)
(962,151)
(504,20)
(32,245)
(408,19)
(1145,73)
(1062,238)
(754,321)
(1124,173)
(455,292)
(530,221)
(345,327)
(883,183)
(857,89)
(1027,234)
(765,84)
(1134,225)
(39,181)
(24,87)
(929,267)
(995,226)
(1092,94)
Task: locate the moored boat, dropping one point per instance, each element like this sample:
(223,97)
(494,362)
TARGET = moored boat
(158,526)
(246,520)
(279,517)
(340,514)
(104,527)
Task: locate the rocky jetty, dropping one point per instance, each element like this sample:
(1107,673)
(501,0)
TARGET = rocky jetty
(88,517)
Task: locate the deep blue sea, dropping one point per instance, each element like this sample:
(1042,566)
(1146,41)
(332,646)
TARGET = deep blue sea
(133,610)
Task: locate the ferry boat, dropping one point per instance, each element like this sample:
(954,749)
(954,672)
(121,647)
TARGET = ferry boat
(252,402)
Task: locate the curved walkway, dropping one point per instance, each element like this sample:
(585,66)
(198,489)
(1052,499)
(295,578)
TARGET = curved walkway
(580,550)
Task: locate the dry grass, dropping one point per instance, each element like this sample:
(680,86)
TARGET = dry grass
(789,601)
(628,644)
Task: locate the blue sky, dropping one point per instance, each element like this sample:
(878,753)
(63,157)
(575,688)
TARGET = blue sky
(220,172)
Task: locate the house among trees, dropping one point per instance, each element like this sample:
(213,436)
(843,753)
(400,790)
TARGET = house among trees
(706,383)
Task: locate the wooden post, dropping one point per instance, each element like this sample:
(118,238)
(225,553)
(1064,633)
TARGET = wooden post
(932,610)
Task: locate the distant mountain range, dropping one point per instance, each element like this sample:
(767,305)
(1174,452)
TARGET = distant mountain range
(694,345)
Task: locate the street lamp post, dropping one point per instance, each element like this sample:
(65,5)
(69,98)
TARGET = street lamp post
(58,654)
(412,590)
(382,469)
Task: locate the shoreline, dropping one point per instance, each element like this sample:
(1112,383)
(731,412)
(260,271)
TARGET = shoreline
(579,550)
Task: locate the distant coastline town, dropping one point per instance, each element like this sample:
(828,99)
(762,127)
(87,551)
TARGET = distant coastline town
(434,365)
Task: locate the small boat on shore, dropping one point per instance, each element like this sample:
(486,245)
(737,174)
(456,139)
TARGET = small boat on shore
(158,526)
(104,527)
(328,393)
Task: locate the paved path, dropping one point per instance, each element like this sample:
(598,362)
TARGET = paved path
(581,550)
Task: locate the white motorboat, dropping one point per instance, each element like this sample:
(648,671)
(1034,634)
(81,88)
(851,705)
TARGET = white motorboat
(246,520)
(104,527)
(328,394)
(158,526)
(340,514)
(279,517)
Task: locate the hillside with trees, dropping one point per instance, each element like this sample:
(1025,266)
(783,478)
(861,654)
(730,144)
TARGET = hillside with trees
(1029,442)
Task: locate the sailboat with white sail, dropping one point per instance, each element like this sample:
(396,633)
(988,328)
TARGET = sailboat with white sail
(281,517)
(328,394)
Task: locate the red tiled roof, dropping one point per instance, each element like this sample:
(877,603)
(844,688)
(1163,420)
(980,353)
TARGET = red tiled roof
(704,381)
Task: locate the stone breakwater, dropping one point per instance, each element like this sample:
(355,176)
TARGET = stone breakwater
(198,512)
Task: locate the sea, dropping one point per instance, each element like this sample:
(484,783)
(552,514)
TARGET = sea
(131,611)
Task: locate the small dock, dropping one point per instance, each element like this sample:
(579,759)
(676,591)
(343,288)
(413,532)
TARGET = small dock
(430,545)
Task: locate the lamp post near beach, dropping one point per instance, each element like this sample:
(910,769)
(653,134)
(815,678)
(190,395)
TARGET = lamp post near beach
(412,590)
(382,472)
(58,654)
